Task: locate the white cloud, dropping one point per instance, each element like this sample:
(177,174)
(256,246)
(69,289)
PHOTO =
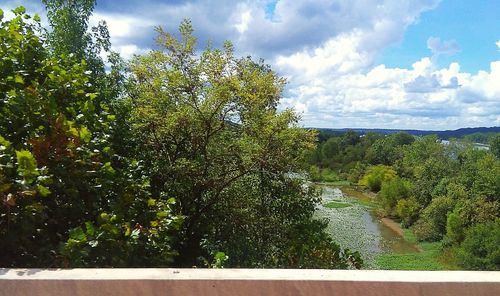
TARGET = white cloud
(245,19)
(328,51)
(420,97)
(439,47)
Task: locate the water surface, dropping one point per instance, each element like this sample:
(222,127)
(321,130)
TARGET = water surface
(358,228)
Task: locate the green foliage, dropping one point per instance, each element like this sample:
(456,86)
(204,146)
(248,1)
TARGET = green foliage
(455,228)
(315,173)
(57,168)
(387,150)
(432,223)
(428,259)
(26,166)
(376,176)
(322,175)
(495,145)
(407,209)
(143,244)
(479,250)
(209,129)
(336,205)
(391,192)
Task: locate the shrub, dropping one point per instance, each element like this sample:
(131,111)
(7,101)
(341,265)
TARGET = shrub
(407,209)
(425,230)
(376,175)
(392,191)
(432,224)
(479,250)
(454,228)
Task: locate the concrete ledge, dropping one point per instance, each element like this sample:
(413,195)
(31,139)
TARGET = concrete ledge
(199,282)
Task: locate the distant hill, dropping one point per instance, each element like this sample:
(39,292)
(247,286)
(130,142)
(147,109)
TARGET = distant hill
(446,134)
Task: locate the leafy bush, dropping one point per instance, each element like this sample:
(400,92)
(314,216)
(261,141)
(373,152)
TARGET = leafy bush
(407,209)
(426,230)
(432,223)
(392,191)
(479,250)
(59,174)
(376,175)
(455,228)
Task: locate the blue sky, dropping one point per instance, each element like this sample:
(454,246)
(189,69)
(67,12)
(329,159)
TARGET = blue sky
(423,64)
(474,25)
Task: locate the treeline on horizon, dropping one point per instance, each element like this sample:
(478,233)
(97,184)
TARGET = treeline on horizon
(448,193)
(175,158)
(482,135)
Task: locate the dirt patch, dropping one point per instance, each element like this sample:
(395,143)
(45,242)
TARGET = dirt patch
(394,226)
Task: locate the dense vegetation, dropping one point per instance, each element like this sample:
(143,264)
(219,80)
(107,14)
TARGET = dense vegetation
(180,157)
(443,193)
(177,157)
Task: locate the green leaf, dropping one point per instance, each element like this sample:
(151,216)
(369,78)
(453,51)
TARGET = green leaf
(4,143)
(36,18)
(88,106)
(90,228)
(26,165)
(92,95)
(85,134)
(77,234)
(108,168)
(19,79)
(44,191)
(151,202)
(1,14)
(19,10)
(106,149)
(104,216)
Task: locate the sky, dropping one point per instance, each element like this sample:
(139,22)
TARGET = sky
(402,64)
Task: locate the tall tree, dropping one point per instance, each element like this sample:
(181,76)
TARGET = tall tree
(213,138)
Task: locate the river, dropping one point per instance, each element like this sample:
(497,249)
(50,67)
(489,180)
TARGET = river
(358,228)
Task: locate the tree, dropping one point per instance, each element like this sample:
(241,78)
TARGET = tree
(433,220)
(495,145)
(479,250)
(64,203)
(376,176)
(211,137)
(391,192)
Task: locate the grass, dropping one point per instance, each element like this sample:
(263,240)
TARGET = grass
(430,258)
(360,197)
(335,183)
(336,205)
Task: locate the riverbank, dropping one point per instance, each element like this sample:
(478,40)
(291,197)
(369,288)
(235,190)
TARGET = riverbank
(410,255)
(430,257)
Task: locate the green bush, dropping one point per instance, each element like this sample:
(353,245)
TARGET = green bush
(376,175)
(480,248)
(315,173)
(432,223)
(391,192)
(407,209)
(454,228)
(425,230)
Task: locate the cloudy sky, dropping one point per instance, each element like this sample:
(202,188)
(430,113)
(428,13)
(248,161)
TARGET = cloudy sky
(425,64)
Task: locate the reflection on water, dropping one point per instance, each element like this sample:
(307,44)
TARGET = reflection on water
(357,228)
